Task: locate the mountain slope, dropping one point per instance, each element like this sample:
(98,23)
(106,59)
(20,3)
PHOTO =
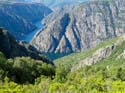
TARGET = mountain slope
(103,76)
(50,3)
(86,25)
(74,58)
(53,3)
(11,49)
(20,62)
(106,53)
(107,75)
(20,18)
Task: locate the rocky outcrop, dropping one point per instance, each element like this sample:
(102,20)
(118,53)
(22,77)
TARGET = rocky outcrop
(12,49)
(99,55)
(77,28)
(20,18)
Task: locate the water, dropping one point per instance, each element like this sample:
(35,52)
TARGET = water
(32,34)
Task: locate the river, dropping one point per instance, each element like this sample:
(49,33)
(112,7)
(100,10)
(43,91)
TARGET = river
(29,37)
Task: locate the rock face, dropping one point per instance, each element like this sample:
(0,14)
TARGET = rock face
(19,18)
(77,28)
(99,55)
(11,48)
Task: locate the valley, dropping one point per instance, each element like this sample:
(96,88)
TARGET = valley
(60,46)
(20,18)
(30,36)
(78,28)
(66,74)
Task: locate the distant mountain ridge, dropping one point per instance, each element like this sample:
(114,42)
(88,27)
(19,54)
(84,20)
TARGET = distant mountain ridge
(74,29)
(20,18)
(50,3)
(53,3)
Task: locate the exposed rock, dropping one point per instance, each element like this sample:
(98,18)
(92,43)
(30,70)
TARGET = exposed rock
(99,55)
(122,55)
(73,29)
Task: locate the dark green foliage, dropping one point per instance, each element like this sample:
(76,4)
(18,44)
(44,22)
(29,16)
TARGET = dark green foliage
(2,59)
(11,49)
(107,76)
(24,69)
(121,74)
(61,73)
(18,68)
(30,69)
(2,66)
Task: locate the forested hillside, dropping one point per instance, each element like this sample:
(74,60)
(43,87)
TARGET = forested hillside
(27,75)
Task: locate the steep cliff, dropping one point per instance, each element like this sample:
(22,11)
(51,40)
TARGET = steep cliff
(20,18)
(77,28)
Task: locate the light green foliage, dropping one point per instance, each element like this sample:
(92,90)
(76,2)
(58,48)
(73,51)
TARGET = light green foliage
(107,76)
(76,57)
